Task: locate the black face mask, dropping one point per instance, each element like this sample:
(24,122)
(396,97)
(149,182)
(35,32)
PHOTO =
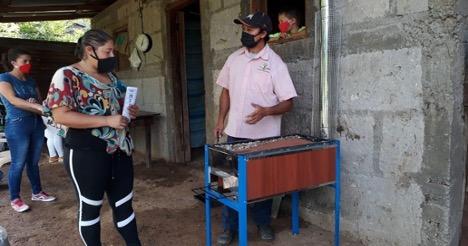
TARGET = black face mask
(105,65)
(248,40)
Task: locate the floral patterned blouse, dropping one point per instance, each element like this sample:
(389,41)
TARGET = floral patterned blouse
(82,93)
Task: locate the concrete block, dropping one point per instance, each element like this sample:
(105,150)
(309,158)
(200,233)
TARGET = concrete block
(151,91)
(388,81)
(302,49)
(402,143)
(230,3)
(360,10)
(435,225)
(224,33)
(384,37)
(123,12)
(160,108)
(152,17)
(462,7)
(215,5)
(465,34)
(357,144)
(156,53)
(358,209)
(385,210)
(296,121)
(301,73)
(411,6)
(134,27)
(134,82)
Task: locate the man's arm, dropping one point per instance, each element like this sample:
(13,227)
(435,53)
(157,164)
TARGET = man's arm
(261,112)
(224,104)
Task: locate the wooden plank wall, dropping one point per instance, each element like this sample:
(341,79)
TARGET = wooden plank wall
(47,57)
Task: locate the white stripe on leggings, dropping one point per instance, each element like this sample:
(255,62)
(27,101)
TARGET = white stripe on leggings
(79,195)
(124,200)
(125,222)
(89,222)
(91,202)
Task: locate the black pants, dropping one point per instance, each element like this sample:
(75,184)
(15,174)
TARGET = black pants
(94,173)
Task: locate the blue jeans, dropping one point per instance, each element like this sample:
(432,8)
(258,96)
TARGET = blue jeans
(260,211)
(25,136)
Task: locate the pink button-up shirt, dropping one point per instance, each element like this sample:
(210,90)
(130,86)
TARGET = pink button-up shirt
(261,79)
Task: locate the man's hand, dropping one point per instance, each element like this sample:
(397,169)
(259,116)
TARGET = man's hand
(257,115)
(218,130)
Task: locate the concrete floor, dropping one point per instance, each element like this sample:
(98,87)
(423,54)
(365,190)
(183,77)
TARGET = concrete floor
(167,213)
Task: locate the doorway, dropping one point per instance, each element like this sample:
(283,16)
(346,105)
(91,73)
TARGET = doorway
(188,82)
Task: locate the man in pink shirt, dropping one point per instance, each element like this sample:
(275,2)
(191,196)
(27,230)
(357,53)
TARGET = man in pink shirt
(257,90)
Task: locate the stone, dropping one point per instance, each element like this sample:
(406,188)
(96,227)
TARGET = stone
(357,143)
(402,143)
(230,3)
(215,5)
(156,53)
(361,10)
(224,33)
(385,37)
(152,18)
(382,80)
(411,6)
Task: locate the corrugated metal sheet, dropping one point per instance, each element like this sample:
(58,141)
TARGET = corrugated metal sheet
(35,10)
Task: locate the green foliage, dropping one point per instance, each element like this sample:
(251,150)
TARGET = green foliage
(64,31)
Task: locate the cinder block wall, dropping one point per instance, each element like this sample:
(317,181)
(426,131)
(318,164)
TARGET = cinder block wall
(399,115)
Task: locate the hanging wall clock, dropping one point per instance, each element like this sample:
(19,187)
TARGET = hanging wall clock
(143,42)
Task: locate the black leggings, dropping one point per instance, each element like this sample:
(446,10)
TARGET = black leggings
(94,173)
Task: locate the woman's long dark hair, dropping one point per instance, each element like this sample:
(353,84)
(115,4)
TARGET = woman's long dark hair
(12,55)
(94,37)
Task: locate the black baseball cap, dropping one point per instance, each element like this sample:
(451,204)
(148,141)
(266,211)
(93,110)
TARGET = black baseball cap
(257,19)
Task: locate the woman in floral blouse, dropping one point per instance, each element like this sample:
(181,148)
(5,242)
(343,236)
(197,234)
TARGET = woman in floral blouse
(87,99)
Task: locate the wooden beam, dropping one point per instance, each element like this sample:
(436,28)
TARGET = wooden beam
(8,9)
(47,17)
(5,2)
(178,5)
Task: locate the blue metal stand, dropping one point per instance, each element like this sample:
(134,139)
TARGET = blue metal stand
(240,204)
(295,213)
(337,187)
(242,199)
(207,199)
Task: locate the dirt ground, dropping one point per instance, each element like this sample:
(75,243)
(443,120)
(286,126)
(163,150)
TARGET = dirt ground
(166,211)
